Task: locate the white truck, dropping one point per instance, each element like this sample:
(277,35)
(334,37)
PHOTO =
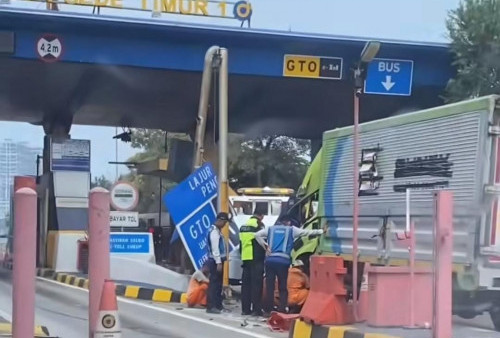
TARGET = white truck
(453,147)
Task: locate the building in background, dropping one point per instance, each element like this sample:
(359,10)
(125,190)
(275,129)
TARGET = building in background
(16,158)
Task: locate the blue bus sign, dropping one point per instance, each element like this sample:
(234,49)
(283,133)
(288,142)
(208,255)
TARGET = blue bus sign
(389,77)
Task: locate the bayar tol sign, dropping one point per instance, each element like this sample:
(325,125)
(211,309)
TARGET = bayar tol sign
(191,205)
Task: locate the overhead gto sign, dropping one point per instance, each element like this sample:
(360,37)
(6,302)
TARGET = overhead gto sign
(241,10)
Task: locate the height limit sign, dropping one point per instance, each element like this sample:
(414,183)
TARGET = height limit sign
(49,48)
(315,67)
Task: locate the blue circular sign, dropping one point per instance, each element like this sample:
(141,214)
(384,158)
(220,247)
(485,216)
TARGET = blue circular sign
(242,10)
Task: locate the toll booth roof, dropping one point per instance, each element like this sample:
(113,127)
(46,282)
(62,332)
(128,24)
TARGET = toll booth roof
(142,73)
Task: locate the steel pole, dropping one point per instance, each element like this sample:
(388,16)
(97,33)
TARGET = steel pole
(201,120)
(355,207)
(223,140)
(23,276)
(99,200)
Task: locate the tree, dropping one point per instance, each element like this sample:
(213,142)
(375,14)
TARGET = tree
(474,30)
(102,182)
(268,161)
(152,145)
(265,161)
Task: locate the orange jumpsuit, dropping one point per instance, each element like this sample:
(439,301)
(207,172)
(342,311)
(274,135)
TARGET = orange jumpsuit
(197,290)
(298,287)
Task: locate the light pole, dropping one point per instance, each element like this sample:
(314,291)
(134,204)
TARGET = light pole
(369,52)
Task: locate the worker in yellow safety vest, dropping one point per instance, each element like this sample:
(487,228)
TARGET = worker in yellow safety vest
(252,256)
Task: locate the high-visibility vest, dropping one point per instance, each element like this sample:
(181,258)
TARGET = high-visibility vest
(247,237)
(222,244)
(280,241)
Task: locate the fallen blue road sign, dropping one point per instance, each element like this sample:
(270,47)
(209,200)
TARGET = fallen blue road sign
(128,243)
(389,77)
(191,208)
(194,233)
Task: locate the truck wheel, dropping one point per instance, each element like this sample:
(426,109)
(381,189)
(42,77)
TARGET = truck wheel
(495,317)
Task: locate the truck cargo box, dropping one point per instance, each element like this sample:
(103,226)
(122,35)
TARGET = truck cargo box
(451,147)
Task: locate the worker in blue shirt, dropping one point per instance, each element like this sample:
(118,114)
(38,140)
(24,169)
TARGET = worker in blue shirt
(280,238)
(217,255)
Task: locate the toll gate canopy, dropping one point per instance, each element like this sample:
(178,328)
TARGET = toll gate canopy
(108,71)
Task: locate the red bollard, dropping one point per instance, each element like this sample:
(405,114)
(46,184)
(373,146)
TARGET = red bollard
(99,200)
(23,282)
(443,223)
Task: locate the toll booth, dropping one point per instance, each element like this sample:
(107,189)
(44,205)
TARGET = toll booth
(63,191)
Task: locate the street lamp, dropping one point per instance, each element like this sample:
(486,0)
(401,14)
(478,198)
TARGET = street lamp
(367,55)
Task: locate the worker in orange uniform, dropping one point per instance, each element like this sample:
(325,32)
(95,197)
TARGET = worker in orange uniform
(198,286)
(298,286)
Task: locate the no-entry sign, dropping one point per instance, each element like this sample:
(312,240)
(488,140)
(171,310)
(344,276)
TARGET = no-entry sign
(124,196)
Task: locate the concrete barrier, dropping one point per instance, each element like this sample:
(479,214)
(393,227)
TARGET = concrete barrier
(125,268)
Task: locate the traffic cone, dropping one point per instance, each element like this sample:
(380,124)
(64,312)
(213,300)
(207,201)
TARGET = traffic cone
(108,323)
(363,305)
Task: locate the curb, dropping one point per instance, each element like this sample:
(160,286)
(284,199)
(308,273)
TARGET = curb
(301,329)
(40,331)
(127,291)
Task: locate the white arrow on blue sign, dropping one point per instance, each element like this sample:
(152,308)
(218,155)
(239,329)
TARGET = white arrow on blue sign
(389,77)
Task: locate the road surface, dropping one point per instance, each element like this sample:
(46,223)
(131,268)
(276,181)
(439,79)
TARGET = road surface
(63,310)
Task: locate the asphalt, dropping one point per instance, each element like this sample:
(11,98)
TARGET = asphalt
(64,310)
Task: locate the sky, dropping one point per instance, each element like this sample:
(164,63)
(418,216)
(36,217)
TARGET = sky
(414,20)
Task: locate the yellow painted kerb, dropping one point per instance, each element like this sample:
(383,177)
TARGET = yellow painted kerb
(184,298)
(338,331)
(378,335)
(301,329)
(6,328)
(61,277)
(162,295)
(132,291)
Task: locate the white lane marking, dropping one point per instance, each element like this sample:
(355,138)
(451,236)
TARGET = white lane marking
(481,330)
(5,315)
(171,312)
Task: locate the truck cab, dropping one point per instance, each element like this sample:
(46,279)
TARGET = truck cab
(271,201)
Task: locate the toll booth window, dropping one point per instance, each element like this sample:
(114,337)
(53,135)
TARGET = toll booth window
(261,208)
(275,208)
